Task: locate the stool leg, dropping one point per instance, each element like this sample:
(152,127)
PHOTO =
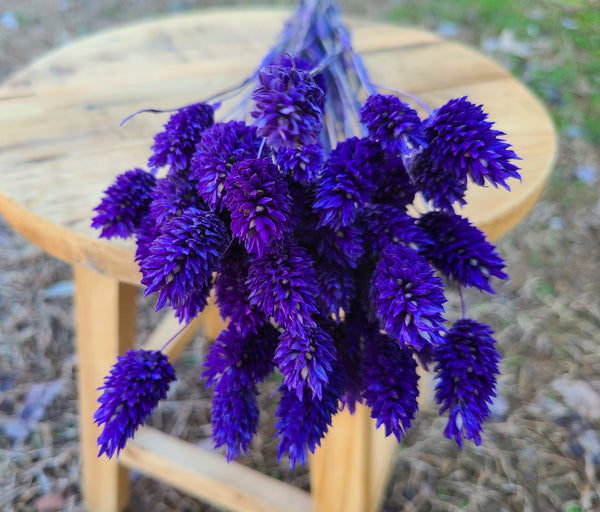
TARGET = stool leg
(105,313)
(213,324)
(349,471)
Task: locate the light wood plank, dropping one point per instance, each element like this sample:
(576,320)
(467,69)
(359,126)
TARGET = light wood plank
(350,470)
(207,475)
(105,326)
(213,323)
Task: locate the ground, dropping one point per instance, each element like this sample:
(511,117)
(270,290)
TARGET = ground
(540,450)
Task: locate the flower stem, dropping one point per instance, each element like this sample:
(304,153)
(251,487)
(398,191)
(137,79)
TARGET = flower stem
(162,349)
(463,304)
(416,99)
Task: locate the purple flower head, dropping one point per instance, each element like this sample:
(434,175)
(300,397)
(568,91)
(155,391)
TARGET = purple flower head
(260,205)
(234,418)
(393,123)
(288,108)
(302,164)
(235,363)
(336,287)
(301,62)
(146,234)
(425,356)
(302,197)
(345,186)
(241,359)
(363,303)
(463,142)
(460,250)
(233,295)
(387,224)
(172,195)
(183,257)
(195,303)
(222,146)
(283,285)
(303,422)
(125,204)
(350,337)
(466,366)
(390,384)
(343,246)
(135,385)
(407,297)
(306,360)
(175,145)
(392,184)
(440,185)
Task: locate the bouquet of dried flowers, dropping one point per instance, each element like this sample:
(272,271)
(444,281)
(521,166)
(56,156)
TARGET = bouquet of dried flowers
(323,213)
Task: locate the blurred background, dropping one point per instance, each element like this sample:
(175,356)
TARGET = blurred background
(541,448)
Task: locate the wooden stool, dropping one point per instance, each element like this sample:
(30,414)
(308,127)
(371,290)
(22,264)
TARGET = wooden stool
(61,146)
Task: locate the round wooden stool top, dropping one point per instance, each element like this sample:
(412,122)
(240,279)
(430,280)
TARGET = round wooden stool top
(61,144)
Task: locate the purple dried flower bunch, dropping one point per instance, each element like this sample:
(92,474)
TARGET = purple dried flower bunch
(302,223)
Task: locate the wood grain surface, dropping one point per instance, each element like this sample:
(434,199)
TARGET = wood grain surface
(208,476)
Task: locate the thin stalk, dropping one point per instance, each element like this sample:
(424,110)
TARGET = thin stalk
(173,337)
(463,304)
(416,99)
